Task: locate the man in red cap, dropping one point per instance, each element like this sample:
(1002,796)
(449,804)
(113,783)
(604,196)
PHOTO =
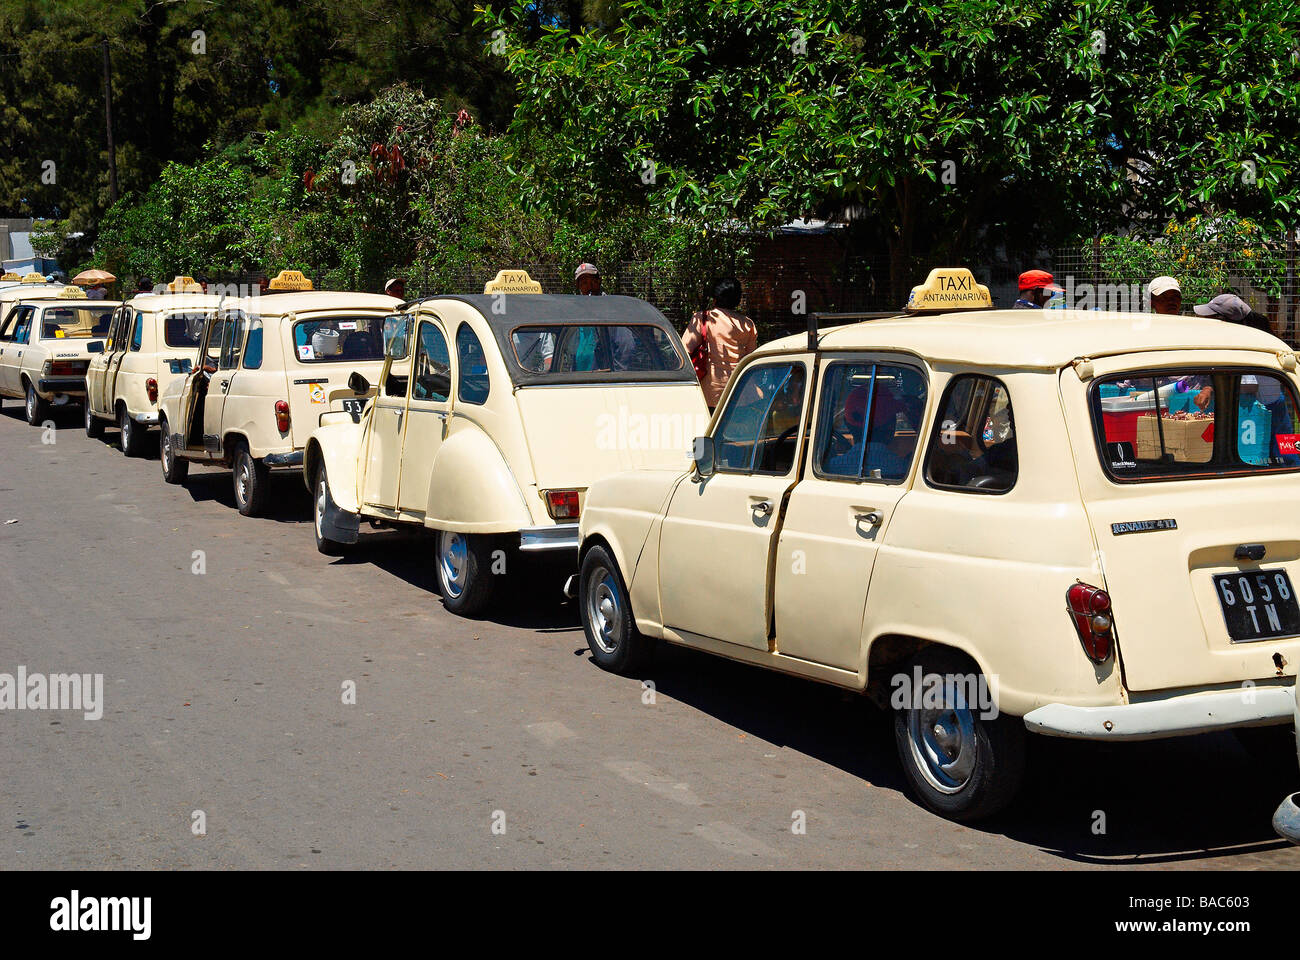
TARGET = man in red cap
(1036,288)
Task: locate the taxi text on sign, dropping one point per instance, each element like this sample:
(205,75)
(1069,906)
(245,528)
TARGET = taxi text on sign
(512,281)
(949,288)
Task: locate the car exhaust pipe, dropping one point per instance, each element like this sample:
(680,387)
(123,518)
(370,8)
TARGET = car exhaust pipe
(571,587)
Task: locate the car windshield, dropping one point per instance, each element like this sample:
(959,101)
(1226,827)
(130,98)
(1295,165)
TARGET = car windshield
(184,328)
(75,323)
(614,348)
(340,338)
(1195,423)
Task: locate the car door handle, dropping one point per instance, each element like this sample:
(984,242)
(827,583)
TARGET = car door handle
(872,517)
(225,385)
(763,507)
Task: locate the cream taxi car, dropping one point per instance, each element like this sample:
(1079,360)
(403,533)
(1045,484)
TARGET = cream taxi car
(150,343)
(1075,524)
(46,332)
(265,370)
(494,419)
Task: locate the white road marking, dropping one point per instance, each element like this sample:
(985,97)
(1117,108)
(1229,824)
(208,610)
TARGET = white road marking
(634,771)
(550,732)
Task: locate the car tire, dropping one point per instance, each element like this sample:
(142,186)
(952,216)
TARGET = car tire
(463,566)
(36,409)
(175,469)
(94,425)
(252,477)
(320,496)
(959,764)
(615,643)
(133,435)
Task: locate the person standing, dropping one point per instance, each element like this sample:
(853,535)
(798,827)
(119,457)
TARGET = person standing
(396,287)
(587,280)
(1166,296)
(1036,288)
(726,334)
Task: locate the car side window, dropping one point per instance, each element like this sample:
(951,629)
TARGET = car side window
(8,324)
(231,338)
(137,331)
(472,386)
(758,431)
(432,370)
(973,443)
(253,346)
(868,421)
(23,330)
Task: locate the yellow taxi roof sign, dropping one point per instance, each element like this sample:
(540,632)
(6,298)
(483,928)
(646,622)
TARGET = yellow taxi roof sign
(34,278)
(949,288)
(289,280)
(184,284)
(10,276)
(71,292)
(512,281)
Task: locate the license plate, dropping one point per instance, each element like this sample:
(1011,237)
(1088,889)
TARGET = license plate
(1258,605)
(355,407)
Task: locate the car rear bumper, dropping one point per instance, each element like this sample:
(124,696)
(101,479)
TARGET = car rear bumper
(562,536)
(1175,716)
(293,459)
(72,386)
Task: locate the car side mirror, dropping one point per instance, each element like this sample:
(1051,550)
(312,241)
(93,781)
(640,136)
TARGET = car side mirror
(702,453)
(358,384)
(95,346)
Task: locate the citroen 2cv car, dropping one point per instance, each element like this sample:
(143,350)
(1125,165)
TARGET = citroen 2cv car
(1078,524)
(45,336)
(265,370)
(494,419)
(150,342)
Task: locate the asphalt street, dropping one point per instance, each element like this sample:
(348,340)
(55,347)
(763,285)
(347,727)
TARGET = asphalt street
(226,645)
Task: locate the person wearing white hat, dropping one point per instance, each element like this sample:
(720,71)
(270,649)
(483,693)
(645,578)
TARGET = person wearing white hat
(587,279)
(396,287)
(1166,296)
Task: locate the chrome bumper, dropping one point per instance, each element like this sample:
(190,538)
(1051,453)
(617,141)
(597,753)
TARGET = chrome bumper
(293,459)
(148,419)
(562,536)
(1176,716)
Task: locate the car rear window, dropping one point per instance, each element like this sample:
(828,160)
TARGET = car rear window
(339,339)
(616,349)
(1195,423)
(184,328)
(75,323)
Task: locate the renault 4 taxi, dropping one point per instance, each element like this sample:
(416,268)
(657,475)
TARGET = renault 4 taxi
(995,522)
(151,341)
(494,414)
(46,333)
(266,368)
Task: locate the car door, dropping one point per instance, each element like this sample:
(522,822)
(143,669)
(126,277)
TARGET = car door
(131,331)
(11,349)
(95,370)
(860,465)
(197,384)
(383,446)
(223,382)
(719,530)
(427,412)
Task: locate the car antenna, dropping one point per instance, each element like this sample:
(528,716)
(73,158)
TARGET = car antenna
(812,331)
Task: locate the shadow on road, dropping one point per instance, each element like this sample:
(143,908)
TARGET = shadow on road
(287,501)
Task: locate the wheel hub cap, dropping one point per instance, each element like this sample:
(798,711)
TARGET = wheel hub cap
(603,610)
(943,746)
(453,562)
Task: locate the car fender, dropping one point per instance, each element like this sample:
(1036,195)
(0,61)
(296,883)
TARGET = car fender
(473,490)
(337,444)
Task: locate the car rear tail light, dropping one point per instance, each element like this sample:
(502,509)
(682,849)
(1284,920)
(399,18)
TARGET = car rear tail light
(151,388)
(1090,609)
(282,415)
(562,504)
(66,368)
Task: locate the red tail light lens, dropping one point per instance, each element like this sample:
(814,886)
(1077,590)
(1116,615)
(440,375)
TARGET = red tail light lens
(562,504)
(282,415)
(151,388)
(1090,609)
(67,368)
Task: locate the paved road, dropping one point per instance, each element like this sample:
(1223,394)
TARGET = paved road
(223,694)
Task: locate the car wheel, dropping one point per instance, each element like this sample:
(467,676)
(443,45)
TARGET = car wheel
(616,644)
(465,577)
(331,548)
(94,425)
(961,764)
(175,469)
(252,477)
(37,409)
(133,435)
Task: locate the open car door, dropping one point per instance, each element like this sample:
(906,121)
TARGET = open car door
(196,388)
